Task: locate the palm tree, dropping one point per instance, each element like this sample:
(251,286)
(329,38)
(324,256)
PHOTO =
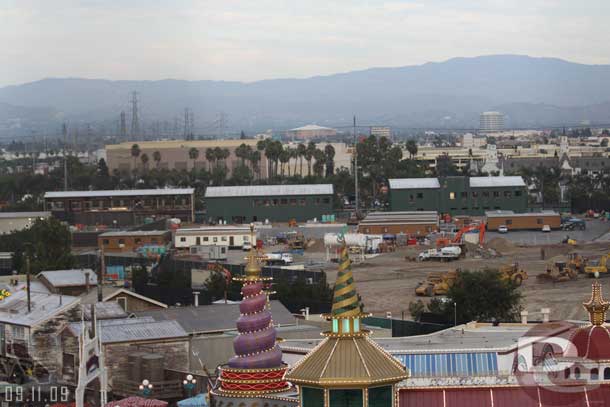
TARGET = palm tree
(284,157)
(301,150)
(412,148)
(193,155)
(210,155)
(309,152)
(318,167)
(157,158)
(135,153)
(329,152)
(144,159)
(255,158)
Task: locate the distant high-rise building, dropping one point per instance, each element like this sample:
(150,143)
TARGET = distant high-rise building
(381,131)
(491,121)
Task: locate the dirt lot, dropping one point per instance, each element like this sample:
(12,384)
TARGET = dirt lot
(388,282)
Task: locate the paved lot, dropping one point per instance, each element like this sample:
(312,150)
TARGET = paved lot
(595,229)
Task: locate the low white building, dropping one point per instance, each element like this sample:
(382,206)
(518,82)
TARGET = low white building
(231,236)
(16,221)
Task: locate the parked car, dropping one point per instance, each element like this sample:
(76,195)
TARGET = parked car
(247,246)
(546,228)
(502,229)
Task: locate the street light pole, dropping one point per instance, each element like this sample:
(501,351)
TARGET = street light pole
(189,384)
(455,314)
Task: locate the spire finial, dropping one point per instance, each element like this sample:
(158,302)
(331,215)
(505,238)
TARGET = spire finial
(345,299)
(253,269)
(596,306)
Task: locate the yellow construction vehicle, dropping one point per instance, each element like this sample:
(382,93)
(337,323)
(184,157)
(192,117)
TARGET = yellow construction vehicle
(437,284)
(577,262)
(557,272)
(597,267)
(513,273)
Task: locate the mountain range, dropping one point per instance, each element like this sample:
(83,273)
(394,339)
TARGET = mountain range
(451,94)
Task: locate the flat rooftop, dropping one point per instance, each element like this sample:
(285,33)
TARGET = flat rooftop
(269,190)
(122,192)
(501,214)
(120,233)
(20,215)
(481,337)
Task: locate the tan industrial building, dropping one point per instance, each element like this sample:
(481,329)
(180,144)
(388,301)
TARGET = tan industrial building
(16,221)
(174,155)
(522,221)
(407,222)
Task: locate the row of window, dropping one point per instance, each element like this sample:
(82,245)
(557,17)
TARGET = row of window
(539,221)
(450,364)
(289,202)
(153,240)
(214,238)
(121,203)
(474,194)
(593,374)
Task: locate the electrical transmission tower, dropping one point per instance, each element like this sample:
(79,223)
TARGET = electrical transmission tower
(123,128)
(189,124)
(223,120)
(64,132)
(135,120)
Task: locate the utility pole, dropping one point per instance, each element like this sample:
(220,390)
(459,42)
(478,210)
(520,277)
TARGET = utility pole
(64,130)
(100,275)
(135,120)
(356,168)
(123,128)
(27,270)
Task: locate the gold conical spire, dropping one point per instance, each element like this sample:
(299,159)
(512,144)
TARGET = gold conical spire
(345,299)
(253,268)
(596,306)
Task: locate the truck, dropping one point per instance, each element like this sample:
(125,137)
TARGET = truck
(445,253)
(278,258)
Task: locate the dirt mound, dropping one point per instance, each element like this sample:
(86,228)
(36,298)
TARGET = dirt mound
(501,245)
(315,245)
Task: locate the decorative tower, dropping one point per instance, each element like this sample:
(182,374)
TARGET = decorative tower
(347,368)
(596,306)
(257,368)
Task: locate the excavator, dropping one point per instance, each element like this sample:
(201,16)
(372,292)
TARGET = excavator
(598,267)
(457,239)
(577,262)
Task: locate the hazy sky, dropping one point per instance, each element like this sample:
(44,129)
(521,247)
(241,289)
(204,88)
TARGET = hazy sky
(259,39)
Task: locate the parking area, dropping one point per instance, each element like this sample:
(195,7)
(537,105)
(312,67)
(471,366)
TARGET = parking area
(595,229)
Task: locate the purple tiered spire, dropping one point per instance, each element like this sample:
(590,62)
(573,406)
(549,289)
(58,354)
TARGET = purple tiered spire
(255,346)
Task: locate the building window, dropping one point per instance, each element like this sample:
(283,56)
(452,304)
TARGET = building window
(594,374)
(215,239)
(607,373)
(496,194)
(302,202)
(345,398)
(317,201)
(411,198)
(420,195)
(475,194)
(18,332)
(577,373)
(183,239)
(380,396)
(517,193)
(293,202)
(509,221)
(257,202)
(224,238)
(464,194)
(153,240)
(275,202)
(312,397)
(539,221)
(122,301)
(485,194)
(266,202)
(451,195)
(121,241)
(206,239)
(105,242)
(284,201)
(138,241)
(507,194)
(58,205)
(326,200)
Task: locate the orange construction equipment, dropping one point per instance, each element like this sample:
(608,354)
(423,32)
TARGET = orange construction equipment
(457,239)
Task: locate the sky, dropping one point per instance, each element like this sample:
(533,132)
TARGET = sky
(264,39)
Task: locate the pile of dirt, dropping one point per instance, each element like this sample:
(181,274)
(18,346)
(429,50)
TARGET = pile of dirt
(501,245)
(315,245)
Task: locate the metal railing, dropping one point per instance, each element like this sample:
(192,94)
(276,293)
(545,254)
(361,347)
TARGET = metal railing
(164,390)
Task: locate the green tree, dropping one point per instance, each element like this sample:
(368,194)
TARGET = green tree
(210,156)
(157,158)
(329,152)
(301,151)
(412,148)
(135,153)
(318,167)
(193,155)
(309,153)
(144,158)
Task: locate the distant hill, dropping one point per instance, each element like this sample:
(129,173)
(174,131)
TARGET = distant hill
(531,91)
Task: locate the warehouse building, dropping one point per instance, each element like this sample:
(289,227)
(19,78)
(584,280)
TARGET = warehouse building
(243,204)
(459,195)
(131,240)
(522,221)
(410,223)
(120,207)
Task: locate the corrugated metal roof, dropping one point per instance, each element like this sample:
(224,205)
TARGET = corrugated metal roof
(121,192)
(135,329)
(414,183)
(310,127)
(269,190)
(412,217)
(106,310)
(14,309)
(500,214)
(215,317)
(492,182)
(20,215)
(69,278)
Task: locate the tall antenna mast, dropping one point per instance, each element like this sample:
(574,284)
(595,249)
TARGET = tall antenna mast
(356,167)
(135,120)
(64,130)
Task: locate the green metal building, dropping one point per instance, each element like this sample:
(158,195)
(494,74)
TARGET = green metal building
(459,195)
(243,204)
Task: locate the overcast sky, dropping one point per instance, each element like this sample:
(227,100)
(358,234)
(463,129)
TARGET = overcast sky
(260,39)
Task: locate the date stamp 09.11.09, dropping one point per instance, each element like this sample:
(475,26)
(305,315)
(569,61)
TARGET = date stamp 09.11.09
(34,396)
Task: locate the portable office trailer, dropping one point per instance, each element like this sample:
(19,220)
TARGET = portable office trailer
(408,222)
(229,236)
(522,221)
